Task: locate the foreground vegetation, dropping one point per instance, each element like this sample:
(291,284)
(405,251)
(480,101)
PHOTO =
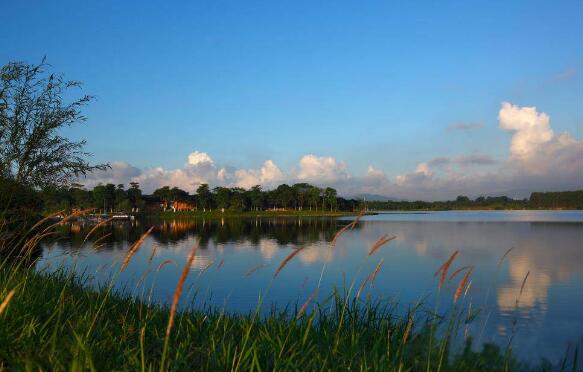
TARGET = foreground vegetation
(54,320)
(54,323)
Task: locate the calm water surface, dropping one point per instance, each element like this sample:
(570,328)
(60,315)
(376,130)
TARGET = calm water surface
(238,257)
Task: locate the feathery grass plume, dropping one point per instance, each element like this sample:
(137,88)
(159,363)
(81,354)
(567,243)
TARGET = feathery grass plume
(175,300)
(444,268)
(69,217)
(134,248)
(221,264)
(349,226)
(307,303)
(503,257)
(254,269)
(382,241)
(6,301)
(287,259)
(166,263)
(95,228)
(462,284)
(468,288)
(143,277)
(361,287)
(457,272)
(374,274)
(46,219)
(153,253)
(101,238)
(179,287)
(207,266)
(524,282)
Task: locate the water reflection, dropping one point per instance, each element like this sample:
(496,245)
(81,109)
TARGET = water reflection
(547,313)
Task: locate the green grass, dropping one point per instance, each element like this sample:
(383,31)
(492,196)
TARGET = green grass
(54,322)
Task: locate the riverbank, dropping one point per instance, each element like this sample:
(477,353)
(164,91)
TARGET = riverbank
(53,322)
(217,214)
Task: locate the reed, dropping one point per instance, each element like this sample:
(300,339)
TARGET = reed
(254,269)
(164,263)
(350,226)
(98,225)
(462,284)
(307,303)
(286,260)
(382,241)
(179,287)
(133,249)
(175,300)
(444,268)
(101,238)
(374,274)
(461,269)
(503,257)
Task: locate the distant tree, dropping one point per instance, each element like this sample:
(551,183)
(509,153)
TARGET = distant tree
(121,198)
(33,113)
(178,194)
(135,196)
(256,196)
(301,193)
(222,196)
(314,197)
(238,200)
(204,196)
(330,195)
(283,195)
(462,199)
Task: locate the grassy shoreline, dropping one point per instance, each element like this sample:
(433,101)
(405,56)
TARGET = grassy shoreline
(54,322)
(217,214)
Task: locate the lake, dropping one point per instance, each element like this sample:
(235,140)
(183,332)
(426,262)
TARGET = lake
(237,258)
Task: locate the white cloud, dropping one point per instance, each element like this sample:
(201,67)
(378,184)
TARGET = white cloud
(200,158)
(539,160)
(324,169)
(268,175)
(531,128)
(374,173)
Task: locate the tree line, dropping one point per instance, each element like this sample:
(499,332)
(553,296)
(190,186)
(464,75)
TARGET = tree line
(116,198)
(537,200)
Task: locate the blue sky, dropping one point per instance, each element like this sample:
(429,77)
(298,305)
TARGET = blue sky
(368,84)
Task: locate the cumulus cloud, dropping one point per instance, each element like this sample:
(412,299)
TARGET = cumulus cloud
(531,129)
(538,159)
(268,175)
(314,168)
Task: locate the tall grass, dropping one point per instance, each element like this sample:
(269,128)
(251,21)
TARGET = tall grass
(54,321)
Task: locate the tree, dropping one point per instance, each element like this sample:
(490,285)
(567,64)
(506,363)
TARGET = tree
(121,198)
(330,198)
(256,196)
(314,197)
(222,196)
(204,196)
(238,201)
(33,112)
(135,196)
